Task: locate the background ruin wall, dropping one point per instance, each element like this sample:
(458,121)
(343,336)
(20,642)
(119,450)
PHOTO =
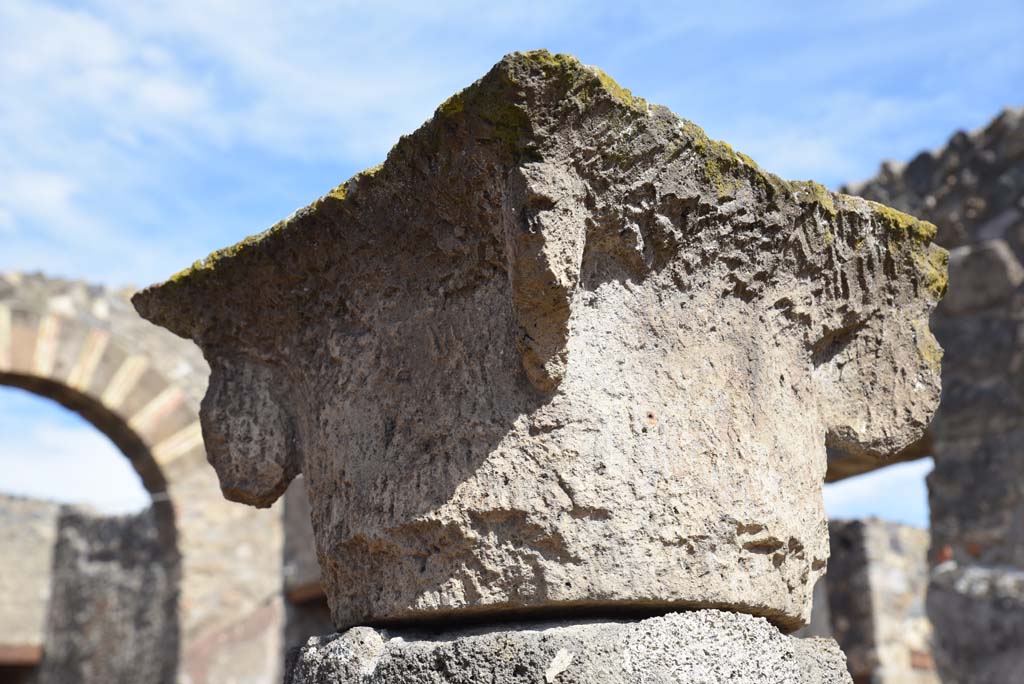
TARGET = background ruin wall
(973,190)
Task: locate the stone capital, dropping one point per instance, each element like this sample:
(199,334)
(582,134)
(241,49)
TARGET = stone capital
(563,352)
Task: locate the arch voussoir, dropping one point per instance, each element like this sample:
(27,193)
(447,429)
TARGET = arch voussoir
(86,348)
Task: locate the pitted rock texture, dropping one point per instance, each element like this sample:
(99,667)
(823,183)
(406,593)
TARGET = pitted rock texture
(701,647)
(562,351)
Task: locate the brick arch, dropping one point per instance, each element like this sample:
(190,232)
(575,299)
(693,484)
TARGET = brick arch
(90,371)
(84,347)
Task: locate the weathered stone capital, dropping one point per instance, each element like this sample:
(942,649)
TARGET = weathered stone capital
(562,349)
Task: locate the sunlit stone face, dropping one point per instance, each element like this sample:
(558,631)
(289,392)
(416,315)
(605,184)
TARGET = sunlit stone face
(563,352)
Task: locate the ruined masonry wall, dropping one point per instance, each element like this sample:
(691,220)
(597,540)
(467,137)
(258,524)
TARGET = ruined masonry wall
(973,190)
(876,583)
(28,531)
(85,347)
(112,616)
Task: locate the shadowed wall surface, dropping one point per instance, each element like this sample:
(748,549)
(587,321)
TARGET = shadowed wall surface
(113,608)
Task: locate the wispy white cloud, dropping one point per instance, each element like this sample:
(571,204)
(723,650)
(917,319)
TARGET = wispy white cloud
(137,136)
(174,127)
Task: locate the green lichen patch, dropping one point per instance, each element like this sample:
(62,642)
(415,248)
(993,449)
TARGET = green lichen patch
(497,109)
(748,161)
(547,60)
(726,183)
(211,261)
(453,105)
(726,170)
(901,232)
(341,192)
(810,192)
(620,94)
(585,82)
(498,99)
(215,259)
(902,226)
(933,266)
(493,100)
(927,346)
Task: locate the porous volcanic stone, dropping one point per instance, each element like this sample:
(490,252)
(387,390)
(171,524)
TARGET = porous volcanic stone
(562,351)
(701,647)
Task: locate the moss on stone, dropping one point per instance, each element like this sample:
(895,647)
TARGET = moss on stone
(584,81)
(341,192)
(726,184)
(214,259)
(902,226)
(546,59)
(496,100)
(933,266)
(452,106)
(622,95)
(724,169)
(810,192)
(748,161)
(511,124)
(927,346)
(493,103)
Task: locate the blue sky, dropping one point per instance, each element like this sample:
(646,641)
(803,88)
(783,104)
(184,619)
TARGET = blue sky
(137,137)
(49,452)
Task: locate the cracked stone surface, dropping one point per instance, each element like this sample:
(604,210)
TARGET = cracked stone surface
(700,647)
(562,352)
